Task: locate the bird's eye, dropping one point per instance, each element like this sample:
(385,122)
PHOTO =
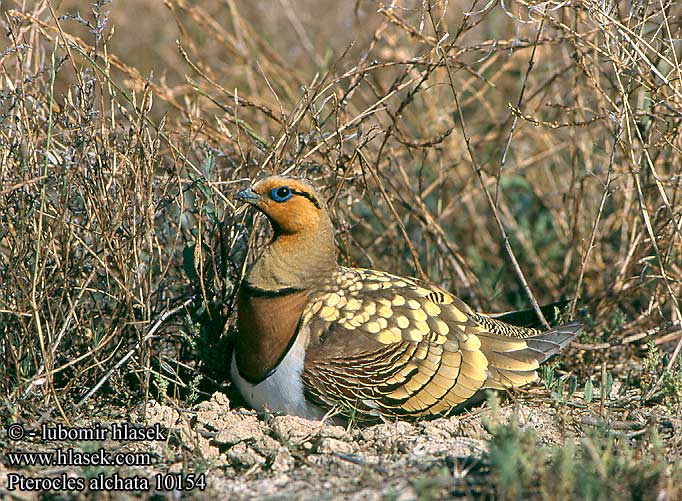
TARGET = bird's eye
(281,194)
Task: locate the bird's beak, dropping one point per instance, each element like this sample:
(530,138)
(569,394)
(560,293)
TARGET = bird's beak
(249,196)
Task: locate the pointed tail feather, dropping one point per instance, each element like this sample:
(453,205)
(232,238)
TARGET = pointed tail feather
(513,362)
(552,342)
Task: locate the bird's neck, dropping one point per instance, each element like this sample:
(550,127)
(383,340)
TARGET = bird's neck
(295,261)
(274,296)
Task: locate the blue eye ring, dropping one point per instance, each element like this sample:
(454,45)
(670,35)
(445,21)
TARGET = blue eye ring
(281,194)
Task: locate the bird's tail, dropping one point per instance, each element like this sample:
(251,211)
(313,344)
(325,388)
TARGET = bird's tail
(512,362)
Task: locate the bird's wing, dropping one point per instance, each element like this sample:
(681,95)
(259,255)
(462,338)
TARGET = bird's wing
(387,345)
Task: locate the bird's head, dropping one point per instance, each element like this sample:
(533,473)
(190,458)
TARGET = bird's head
(292,205)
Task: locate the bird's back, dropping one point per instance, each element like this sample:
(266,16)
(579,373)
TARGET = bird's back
(391,346)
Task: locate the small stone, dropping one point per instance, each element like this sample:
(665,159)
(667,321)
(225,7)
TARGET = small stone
(283,461)
(294,430)
(332,445)
(236,428)
(242,456)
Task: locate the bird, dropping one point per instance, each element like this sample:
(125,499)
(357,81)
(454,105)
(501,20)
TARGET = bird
(315,338)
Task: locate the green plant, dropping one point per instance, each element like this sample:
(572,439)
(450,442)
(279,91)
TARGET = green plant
(598,466)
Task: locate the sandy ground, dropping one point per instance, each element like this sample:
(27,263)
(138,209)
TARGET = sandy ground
(245,456)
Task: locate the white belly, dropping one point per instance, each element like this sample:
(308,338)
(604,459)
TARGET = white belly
(282,391)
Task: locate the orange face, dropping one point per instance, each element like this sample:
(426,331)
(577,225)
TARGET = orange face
(292,205)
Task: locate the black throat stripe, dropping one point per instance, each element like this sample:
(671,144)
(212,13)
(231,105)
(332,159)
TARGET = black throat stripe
(259,292)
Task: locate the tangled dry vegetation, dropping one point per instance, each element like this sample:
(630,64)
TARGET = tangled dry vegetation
(506,151)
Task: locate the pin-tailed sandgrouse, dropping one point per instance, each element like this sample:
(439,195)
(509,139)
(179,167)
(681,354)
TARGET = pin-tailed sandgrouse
(313,335)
